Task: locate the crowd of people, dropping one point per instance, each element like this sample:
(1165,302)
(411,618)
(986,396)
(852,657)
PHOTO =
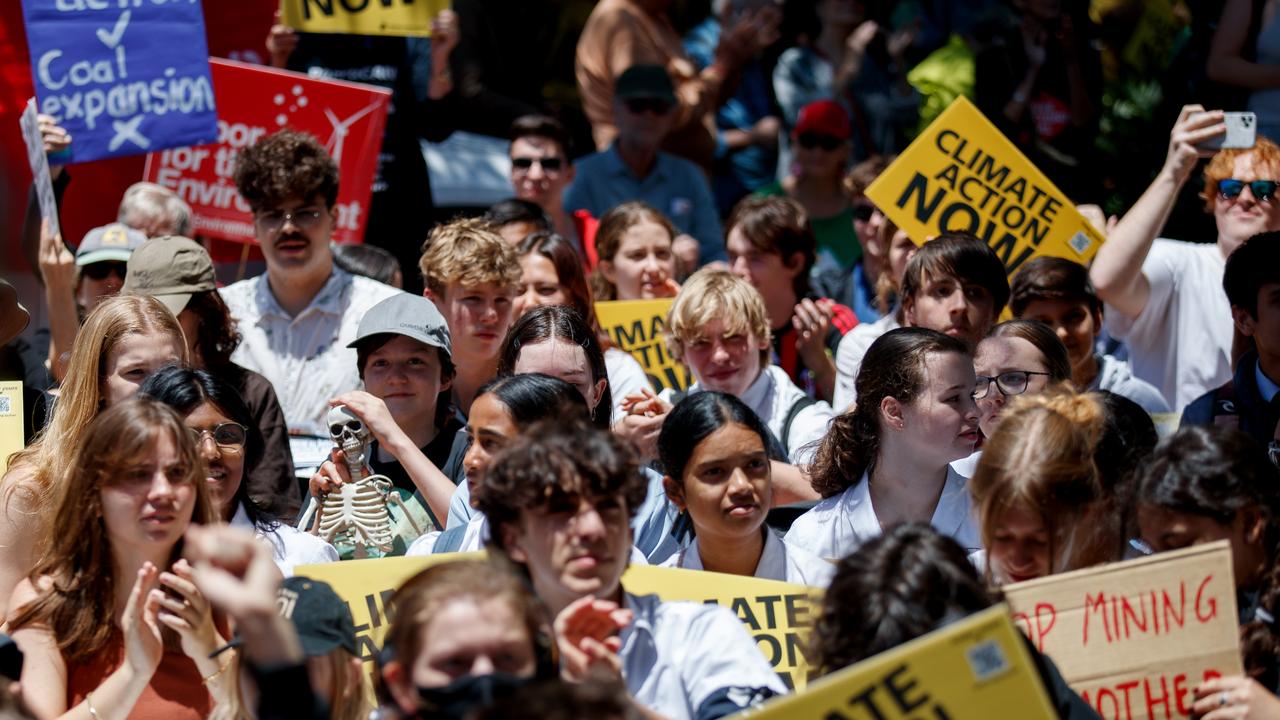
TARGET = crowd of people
(897,422)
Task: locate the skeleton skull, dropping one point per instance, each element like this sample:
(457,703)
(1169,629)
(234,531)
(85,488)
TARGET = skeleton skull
(350,434)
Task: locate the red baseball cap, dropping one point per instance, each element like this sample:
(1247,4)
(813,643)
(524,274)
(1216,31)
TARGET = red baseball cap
(825,117)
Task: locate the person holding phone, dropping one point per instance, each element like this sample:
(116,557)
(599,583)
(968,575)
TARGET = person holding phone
(1164,297)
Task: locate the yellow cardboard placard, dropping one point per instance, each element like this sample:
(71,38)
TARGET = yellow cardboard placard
(975,668)
(962,174)
(1133,638)
(11,419)
(362,17)
(637,327)
(776,614)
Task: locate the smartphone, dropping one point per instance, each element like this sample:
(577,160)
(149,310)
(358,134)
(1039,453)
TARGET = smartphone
(1242,131)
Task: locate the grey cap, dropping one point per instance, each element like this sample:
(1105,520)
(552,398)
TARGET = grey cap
(410,315)
(116,241)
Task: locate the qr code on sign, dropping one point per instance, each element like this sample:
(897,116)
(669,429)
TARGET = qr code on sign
(5,408)
(987,660)
(1080,243)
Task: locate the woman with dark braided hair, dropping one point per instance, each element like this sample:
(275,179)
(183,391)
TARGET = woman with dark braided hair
(1212,483)
(888,459)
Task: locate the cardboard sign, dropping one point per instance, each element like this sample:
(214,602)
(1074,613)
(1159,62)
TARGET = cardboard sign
(11,421)
(975,668)
(254,101)
(122,77)
(777,614)
(962,175)
(638,327)
(39,163)
(1134,638)
(362,17)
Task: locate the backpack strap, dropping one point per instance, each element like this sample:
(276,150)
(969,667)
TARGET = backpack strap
(450,541)
(797,407)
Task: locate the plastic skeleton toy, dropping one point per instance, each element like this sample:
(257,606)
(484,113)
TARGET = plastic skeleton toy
(357,513)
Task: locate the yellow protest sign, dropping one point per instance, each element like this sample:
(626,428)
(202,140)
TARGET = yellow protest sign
(11,421)
(962,175)
(362,17)
(637,327)
(776,614)
(1133,638)
(975,668)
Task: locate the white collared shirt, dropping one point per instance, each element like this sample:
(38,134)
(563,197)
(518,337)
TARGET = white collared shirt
(305,357)
(687,660)
(778,561)
(853,346)
(771,397)
(1267,388)
(290,546)
(837,525)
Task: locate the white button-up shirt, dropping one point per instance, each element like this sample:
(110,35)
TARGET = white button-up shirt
(687,660)
(837,525)
(290,546)
(778,561)
(305,357)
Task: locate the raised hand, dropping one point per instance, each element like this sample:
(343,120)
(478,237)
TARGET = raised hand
(186,611)
(143,644)
(1194,125)
(587,634)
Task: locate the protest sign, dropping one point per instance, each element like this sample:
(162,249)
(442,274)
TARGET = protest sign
(1134,638)
(962,175)
(638,327)
(777,614)
(975,668)
(254,101)
(40,178)
(362,17)
(11,421)
(122,77)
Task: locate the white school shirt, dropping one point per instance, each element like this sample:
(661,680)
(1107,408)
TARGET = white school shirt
(626,377)
(475,537)
(853,346)
(771,397)
(779,561)
(837,525)
(688,661)
(290,546)
(1181,341)
(305,357)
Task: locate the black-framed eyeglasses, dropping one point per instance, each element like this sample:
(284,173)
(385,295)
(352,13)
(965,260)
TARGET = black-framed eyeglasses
(811,140)
(303,218)
(548,164)
(227,435)
(1263,190)
(100,270)
(638,106)
(1009,383)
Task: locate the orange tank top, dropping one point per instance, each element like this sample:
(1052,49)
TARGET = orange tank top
(176,691)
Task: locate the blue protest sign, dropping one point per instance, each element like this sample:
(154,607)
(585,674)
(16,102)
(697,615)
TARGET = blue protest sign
(122,76)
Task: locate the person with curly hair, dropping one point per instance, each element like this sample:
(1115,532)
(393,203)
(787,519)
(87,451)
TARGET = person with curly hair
(297,319)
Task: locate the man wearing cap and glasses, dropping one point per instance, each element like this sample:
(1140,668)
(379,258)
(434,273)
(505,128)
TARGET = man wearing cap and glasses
(633,168)
(297,318)
(1164,297)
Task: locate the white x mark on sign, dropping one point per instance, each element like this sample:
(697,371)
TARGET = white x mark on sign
(128,131)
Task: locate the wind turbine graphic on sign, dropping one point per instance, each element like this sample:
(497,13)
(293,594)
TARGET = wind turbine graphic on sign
(340,129)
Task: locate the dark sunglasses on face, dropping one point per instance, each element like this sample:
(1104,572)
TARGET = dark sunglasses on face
(548,164)
(303,218)
(811,140)
(862,212)
(639,106)
(1009,383)
(228,435)
(100,270)
(1263,190)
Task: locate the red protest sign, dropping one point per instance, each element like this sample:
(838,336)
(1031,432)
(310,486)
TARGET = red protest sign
(255,101)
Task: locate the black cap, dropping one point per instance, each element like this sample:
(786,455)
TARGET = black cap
(322,619)
(647,82)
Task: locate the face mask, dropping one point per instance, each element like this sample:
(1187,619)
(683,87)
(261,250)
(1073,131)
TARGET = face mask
(468,692)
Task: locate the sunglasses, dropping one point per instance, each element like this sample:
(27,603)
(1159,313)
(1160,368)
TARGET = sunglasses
(548,164)
(227,436)
(304,219)
(100,270)
(638,106)
(1009,383)
(1263,190)
(811,140)
(862,212)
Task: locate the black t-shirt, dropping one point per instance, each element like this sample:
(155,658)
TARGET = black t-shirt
(441,451)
